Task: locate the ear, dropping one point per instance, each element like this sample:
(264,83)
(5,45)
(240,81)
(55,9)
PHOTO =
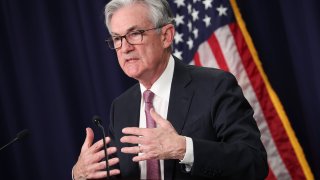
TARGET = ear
(168,32)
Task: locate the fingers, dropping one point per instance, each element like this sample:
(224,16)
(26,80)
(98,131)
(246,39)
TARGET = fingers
(113,161)
(91,166)
(100,155)
(147,153)
(159,120)
(134,131)
(132,139)
(155,143)
(89,139)
(102,165)
(103,174)
(98,145)
(98,169)
(142,157)
(132,150)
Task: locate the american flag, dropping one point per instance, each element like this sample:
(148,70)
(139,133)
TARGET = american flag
(212,33)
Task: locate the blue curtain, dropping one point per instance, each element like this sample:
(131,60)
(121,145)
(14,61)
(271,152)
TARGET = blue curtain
(56,72)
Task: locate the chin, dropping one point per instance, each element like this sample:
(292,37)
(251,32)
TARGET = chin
(132,75)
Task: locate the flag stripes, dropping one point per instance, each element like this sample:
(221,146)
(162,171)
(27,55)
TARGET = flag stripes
(217,52)
(274,135)
(280,144)
(295,161)
(224,37)
(213,34)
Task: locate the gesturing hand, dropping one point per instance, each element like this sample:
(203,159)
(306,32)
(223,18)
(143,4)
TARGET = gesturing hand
(89,164)
(162,142)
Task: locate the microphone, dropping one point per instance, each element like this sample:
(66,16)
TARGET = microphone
(97,121)
(20,135)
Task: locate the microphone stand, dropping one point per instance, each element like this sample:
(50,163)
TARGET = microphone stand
(97,121)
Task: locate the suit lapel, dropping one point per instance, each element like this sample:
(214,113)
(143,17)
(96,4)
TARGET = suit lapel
(133,108)
(180,96)
(180,99)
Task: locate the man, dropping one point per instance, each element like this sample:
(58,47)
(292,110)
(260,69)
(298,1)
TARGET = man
(179,121)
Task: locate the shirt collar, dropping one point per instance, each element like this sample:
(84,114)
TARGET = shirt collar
(162,85)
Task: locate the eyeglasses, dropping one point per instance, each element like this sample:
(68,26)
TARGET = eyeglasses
(132,37)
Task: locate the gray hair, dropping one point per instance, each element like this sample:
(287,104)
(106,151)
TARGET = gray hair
(159,10)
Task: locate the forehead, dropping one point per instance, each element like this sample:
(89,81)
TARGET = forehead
(130,17)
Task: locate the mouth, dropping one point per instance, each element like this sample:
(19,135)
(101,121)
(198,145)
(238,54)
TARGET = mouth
(129,60)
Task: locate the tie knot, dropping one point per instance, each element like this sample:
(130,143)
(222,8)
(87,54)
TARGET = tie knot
(148,96)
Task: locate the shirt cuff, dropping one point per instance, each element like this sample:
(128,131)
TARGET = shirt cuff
(188,158)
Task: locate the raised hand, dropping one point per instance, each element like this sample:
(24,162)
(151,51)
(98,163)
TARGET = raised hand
(90,164)
(162,142)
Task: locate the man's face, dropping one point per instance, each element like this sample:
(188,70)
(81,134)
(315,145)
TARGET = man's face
(144,61)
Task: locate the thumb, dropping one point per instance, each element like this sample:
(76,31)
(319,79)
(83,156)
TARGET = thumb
(89,139)
(158,119)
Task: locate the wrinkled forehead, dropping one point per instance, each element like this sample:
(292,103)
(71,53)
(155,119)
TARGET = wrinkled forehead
(130,17)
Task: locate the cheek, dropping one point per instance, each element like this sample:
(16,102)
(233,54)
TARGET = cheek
(150,52)
(120,59)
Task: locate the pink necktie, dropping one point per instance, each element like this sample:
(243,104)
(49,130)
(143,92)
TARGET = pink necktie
(153,170)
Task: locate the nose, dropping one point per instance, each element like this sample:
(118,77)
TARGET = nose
(126,46)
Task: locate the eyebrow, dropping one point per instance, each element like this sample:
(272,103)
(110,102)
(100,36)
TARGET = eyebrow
(132,28)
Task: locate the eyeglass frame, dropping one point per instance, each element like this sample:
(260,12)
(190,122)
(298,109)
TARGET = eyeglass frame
(110,41)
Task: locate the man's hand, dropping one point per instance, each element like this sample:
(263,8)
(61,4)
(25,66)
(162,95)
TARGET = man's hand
(89,165)
(162,142)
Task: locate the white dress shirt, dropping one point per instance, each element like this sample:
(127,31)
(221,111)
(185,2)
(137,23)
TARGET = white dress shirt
(161,88)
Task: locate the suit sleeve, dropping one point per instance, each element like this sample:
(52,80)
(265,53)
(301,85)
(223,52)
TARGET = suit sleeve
(237,152)
(111,135)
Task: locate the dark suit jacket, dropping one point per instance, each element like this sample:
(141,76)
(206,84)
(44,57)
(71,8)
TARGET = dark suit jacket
(207,105)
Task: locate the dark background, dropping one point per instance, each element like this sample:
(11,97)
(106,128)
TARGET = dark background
(56,72)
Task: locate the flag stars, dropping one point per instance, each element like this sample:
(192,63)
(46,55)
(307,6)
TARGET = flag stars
(179,3)
(195,33)
(195,15)
(189,8)
(222,10)
(179,20)
(189,26)
(207,20)
(190,43)
(178,37)
(178,54)
(207,4)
